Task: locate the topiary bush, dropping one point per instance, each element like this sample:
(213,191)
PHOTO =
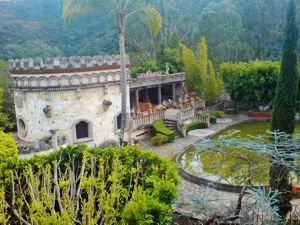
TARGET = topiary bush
(196,125)
(96,186)
(160,128)
(213,119)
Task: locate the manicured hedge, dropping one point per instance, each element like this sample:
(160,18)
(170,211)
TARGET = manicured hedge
(213,119)
(160,128)
(251,81)
(196,125)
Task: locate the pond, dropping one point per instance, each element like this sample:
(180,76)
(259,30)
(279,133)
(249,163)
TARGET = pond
(232,165)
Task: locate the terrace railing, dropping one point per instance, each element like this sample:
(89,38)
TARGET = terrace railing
(147,120)
(202,118)
(186,114)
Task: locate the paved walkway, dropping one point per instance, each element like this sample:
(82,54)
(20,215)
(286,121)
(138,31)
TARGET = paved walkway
(180,144)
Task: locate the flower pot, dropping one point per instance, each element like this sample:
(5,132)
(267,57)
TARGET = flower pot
(159,143)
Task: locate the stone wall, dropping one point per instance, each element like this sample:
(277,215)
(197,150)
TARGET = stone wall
(62,110)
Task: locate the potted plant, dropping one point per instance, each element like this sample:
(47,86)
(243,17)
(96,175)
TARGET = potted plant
(159,139)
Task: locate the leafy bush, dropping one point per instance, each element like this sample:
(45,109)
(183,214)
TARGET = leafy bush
(159,139)
(116,186)
(8,156)
(218,114)
(252,81)
(160,128)
(144,67)
(196,125)
(213,119)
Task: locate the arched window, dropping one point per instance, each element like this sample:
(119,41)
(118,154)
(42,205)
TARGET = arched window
(82,130)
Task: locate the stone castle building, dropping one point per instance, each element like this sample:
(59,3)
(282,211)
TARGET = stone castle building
(77,99)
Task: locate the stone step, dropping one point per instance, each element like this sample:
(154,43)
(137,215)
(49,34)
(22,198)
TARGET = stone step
(172,125)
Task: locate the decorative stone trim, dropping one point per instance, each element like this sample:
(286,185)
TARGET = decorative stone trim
(71,64)
(65,82)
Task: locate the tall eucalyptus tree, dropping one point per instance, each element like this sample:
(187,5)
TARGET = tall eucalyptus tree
(122,9)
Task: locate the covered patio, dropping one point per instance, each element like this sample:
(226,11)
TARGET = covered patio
(151,89)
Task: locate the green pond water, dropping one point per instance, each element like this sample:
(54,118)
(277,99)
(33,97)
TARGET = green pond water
(232,166)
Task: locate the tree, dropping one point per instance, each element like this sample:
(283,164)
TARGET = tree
(203,63)
(122,9)
(191,74)
(284,107)
(213,89)
(200,73)
(221,23)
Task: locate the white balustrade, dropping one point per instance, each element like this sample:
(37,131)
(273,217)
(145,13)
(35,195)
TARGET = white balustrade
(186,114)
(146,120)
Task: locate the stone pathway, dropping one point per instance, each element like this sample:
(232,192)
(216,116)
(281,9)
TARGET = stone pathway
(180,144)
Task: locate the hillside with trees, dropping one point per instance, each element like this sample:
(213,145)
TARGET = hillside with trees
(236,30)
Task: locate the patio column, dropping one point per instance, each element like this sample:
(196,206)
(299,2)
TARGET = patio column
(174,92)
(137,100)
(159,94)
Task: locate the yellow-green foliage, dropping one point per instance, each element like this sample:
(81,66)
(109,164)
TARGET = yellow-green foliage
(96,186)
(251,81)
(8,156)
(200,73)
(4,210)
(160,128)
(203,63)
(191,74)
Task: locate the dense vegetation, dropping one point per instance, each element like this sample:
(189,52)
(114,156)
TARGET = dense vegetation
(88,186)
(7,116)
(252,81)
(36,28)
(200,73)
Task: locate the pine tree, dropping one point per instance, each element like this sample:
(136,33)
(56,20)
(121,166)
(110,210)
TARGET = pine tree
(284,107)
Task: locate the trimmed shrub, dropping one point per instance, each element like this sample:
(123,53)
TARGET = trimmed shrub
(213,119)
(159,139)
(160,128)
(196,125)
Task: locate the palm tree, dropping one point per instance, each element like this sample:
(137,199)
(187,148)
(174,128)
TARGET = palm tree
(122,9)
